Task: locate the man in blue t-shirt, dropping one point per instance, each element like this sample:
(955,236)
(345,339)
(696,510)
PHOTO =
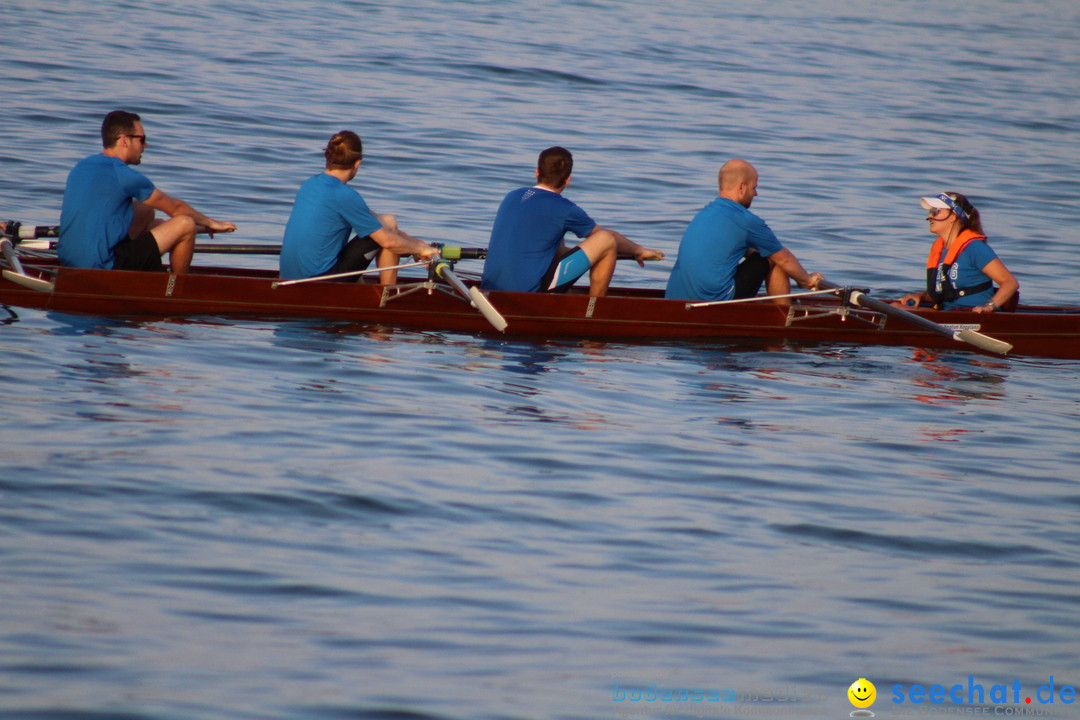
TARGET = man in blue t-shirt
(727,252)
(526,252)
(107,219)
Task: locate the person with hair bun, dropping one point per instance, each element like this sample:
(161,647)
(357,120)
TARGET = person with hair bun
(326,210)
(962,271)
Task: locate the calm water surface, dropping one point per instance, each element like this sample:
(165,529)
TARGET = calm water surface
(211,518)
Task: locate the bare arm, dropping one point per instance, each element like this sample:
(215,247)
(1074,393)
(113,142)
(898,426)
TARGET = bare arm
(401,243)
(1006,282)
(626,246)
(786,261)
(174,206)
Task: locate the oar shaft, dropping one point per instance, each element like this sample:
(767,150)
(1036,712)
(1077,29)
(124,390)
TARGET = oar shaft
(448,252)
(472,295)
(30,232)
(20,231)
(443,270)
(983,342)
(9,255)
(237,249)
(861,299)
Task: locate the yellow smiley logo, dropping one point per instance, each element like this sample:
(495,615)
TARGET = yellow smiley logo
(862,693)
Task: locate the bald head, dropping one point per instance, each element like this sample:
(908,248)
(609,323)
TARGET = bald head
(738,181)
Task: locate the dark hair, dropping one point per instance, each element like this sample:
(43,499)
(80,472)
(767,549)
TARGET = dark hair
(117,124)
(554,166)
(973,222)
(343,150)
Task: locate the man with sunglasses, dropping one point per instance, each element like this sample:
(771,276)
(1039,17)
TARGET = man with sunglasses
(107,219)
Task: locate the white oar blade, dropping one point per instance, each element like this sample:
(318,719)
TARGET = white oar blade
(29,281)
(984,342)
(487,309)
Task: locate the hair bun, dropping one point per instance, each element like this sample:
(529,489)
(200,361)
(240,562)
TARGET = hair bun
(343,150)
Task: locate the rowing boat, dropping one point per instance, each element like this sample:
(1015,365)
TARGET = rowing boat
(430,302)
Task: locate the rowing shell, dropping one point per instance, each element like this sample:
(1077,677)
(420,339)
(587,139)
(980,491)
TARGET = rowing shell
(624,314)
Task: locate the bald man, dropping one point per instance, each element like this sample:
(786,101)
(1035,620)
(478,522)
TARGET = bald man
(727,252)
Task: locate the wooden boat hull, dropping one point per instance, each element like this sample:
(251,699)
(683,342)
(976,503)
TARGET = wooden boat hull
(625,314)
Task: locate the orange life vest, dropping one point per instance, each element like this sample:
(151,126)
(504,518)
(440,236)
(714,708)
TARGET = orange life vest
(939,285)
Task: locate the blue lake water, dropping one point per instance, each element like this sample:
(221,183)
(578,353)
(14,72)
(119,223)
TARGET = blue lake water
(229,519)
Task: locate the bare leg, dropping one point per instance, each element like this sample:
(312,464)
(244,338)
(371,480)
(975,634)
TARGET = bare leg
(387,259)
(778,283)
(600,249)
(176,236)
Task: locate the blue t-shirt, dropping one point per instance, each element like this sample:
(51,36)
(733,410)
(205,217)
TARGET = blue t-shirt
(97,210)
(528,229)
(324,211)
(711,248)
(967,271)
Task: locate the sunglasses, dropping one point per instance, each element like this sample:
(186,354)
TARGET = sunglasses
(140,138)
(938,213)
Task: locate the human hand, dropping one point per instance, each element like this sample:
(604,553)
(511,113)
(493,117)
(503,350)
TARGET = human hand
(909,301)
(426,253)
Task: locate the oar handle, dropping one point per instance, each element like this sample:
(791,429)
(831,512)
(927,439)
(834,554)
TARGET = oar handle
(456,252)
(18,231)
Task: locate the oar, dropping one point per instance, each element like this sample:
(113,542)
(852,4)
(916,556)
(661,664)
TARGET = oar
(473,295)
(983,342)
(17,231)
(448,252)
(26,236)
(213,248)
(16,274)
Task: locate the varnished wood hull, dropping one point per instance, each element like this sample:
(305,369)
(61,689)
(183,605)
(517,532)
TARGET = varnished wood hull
(625,314)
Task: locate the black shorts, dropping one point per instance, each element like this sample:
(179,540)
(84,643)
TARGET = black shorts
(750,274)
(142,253)
(356,255)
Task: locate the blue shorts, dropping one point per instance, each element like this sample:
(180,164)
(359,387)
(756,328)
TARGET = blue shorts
(565,271)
